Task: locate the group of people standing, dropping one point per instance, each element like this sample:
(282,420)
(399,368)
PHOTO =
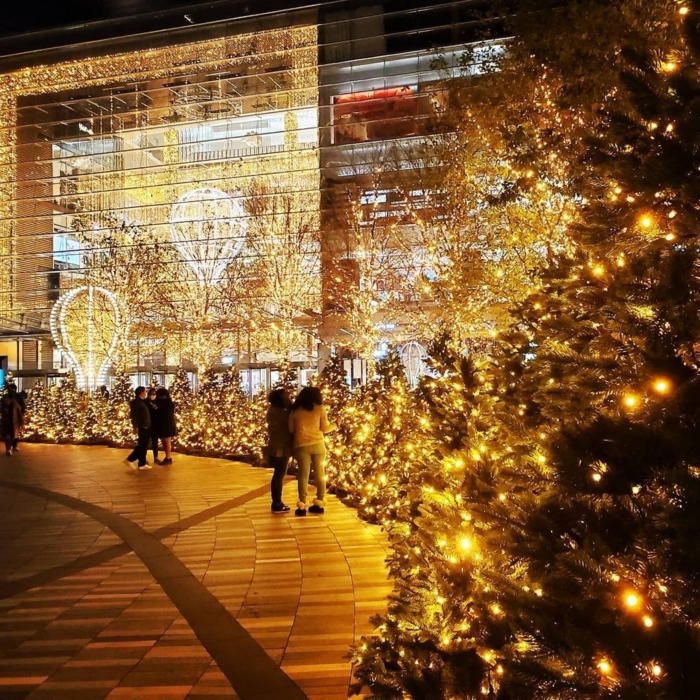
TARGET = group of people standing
(298,430)
(12,410)
(294,429)
(152,414)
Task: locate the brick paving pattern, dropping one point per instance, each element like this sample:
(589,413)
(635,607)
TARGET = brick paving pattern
(170,583)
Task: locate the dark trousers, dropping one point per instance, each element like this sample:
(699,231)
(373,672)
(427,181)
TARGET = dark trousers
(154,446)
(279,464)
(139,452)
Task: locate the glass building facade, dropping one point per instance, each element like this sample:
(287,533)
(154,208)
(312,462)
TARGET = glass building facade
(178,195)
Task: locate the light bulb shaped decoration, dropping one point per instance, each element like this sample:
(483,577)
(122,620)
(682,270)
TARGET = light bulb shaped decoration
(208,227)
(413,358)
(87,324)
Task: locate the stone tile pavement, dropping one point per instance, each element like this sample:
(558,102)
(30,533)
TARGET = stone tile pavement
(175,582)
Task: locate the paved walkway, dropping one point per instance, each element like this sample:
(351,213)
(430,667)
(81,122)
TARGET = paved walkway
(175,582)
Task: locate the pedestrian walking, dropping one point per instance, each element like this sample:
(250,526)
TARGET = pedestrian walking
(11,419)
(308,424)
(141,420)
(21,397)
(165,425)
(153,410)
(279,445)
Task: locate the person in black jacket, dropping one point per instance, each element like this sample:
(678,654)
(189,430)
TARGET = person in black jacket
(141,420)
(11,419)
(153,410)
(279,445)
(21,398)
(165,427)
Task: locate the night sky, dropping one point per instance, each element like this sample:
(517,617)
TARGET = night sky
(20,16)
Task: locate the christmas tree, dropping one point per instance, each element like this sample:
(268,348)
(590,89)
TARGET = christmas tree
(199,431)
(558,558)
(69,408)
(288,379)
(94,418)
(180,390)
(334,384)
(122,390)
(118,428)
(242,427)
(447,557)
(37,425)
(372,450)
(221,419)
(610,536)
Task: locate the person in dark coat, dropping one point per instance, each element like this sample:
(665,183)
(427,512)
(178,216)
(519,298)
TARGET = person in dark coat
(165,427)
(21,397)
(11,419)
(141,420)
(153,410)
(279,445)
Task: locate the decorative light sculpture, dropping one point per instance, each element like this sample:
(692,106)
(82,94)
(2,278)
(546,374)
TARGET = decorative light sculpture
(86,325)
(208,227)
(412,355)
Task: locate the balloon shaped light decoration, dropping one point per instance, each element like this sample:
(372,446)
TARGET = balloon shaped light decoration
(412,356)
(87,324)
(208,227)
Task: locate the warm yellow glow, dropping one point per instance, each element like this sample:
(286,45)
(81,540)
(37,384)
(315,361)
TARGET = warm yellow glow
(683,10)
(598,270)
(605,667)
(631,401)
(632,600)
(154,190)
(669,66)
(646,221)
(496,610)
(656,670)
(465,543)
(648,621)
(661,385)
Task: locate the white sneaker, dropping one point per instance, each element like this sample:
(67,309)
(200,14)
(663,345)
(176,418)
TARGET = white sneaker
(145,467)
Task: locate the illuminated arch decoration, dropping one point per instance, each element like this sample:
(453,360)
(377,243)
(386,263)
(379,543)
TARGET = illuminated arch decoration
(208,227)
(412,355)
(87,324)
